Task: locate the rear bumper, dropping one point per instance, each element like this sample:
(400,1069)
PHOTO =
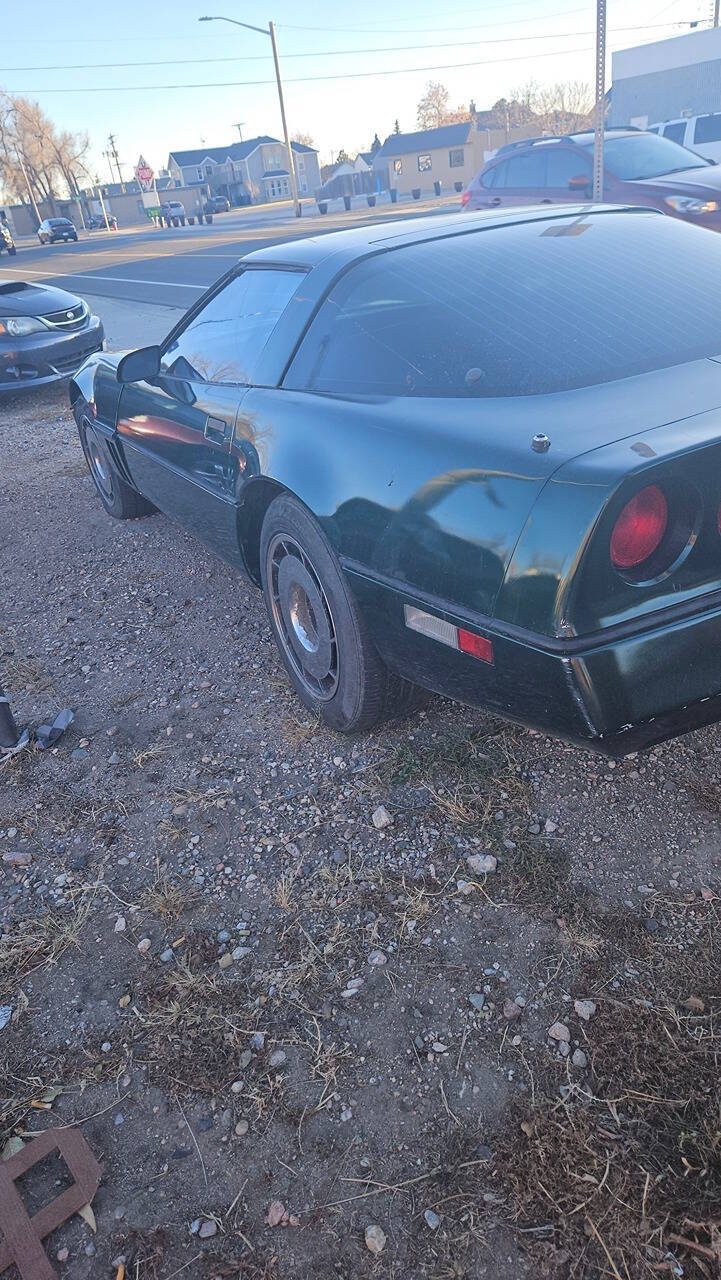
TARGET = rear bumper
(47,357)
(614,694)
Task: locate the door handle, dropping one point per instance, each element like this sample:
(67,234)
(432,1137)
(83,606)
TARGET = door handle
(496,200)
(546,202)
(217,430)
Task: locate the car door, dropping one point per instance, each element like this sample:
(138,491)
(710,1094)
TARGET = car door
(569,175)
(519,179)
(176,431)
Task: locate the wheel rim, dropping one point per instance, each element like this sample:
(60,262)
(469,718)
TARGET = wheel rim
(303,618)
(99,464)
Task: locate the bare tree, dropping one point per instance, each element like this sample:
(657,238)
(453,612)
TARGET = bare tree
(305,138)
(34,155)
(555,108)
(433,109)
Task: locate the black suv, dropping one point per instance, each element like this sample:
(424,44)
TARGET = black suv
(53,229)
(217,204)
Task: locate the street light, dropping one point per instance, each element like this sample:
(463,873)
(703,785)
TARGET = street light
(270,31)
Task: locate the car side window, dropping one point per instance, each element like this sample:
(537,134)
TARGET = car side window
(525,170)
(491,178)
(225,340)
(562,164)
(676,132)
(708,128)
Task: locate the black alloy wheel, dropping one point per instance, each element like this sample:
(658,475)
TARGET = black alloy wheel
(321,633)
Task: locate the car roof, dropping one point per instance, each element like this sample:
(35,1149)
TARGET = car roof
(359,242)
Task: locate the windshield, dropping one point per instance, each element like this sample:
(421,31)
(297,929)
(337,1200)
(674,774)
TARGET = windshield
(645,155)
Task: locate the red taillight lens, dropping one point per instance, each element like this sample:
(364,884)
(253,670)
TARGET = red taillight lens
(639,528)
(465,198)
(478,646)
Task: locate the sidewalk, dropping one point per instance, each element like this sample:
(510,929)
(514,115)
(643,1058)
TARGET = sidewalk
(279,213)
(129,325)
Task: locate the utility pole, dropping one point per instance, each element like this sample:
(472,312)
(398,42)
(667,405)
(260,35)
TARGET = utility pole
(33,201)
(270,31)
(239,127)
(286,136)
(114,153)
(715,12)
(600,114)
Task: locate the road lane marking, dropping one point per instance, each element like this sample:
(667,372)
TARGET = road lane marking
(75,275)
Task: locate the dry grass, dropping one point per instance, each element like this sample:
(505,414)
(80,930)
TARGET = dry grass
(38,941)
(167,899)
(624,1176)
(467,778)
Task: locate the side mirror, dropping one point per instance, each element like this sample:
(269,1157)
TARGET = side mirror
(580,183)
(139,366)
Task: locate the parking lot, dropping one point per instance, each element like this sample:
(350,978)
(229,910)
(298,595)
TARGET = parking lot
(437,1001)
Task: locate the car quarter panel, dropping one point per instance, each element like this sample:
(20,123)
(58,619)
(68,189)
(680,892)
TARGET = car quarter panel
(416,490)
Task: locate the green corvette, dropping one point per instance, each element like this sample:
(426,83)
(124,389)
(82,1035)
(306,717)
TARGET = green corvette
(479,455)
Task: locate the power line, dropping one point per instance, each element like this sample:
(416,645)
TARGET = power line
(342,75)
(134,39)
(336,53)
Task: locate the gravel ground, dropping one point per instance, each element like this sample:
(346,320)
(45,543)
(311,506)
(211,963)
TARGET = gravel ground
(297,989)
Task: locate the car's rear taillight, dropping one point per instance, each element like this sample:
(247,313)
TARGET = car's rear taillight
(639,529)
(465,198)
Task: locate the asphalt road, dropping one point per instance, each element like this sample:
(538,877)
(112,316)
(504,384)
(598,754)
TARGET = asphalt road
(172,267)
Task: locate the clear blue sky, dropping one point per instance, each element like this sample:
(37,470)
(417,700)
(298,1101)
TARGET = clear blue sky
(509,41)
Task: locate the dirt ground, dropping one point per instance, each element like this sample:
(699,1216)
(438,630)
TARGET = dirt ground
(303,1042)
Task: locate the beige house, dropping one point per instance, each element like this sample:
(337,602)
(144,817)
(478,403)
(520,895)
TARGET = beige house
(450,155)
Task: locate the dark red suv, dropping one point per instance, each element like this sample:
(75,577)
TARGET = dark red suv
(639,168)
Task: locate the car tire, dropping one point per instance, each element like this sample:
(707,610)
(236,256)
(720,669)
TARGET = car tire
(322,636)
(119,499)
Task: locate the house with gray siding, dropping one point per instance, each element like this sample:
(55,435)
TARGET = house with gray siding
(250,172)
(667,79)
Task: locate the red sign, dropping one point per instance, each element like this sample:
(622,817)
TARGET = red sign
(144,174)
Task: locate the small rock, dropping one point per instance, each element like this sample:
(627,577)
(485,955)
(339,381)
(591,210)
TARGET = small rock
(17,859)
(207,1229)
(346,1115)
(242,1128)
(477,999)
(80,753)
(549,827)
(375,1238)
(579,1059)
(245,1059)
(223,935)
(119,1213)
(276,1213)
(195,1226)
(559,1031)
(439,1047)
(120,924)
(381,818)
(694,1003)
(90,1250)
(483,864)
(277,1058)
(257,1041)
(6,1013)
(511,1010)
(238,953)
(62,1255)
(377,958)
(651,925)
(225,961)
(432,1219)
(167,955)
(584,1008)
(144,946)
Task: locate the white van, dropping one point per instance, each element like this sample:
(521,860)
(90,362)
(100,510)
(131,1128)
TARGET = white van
(698,133)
